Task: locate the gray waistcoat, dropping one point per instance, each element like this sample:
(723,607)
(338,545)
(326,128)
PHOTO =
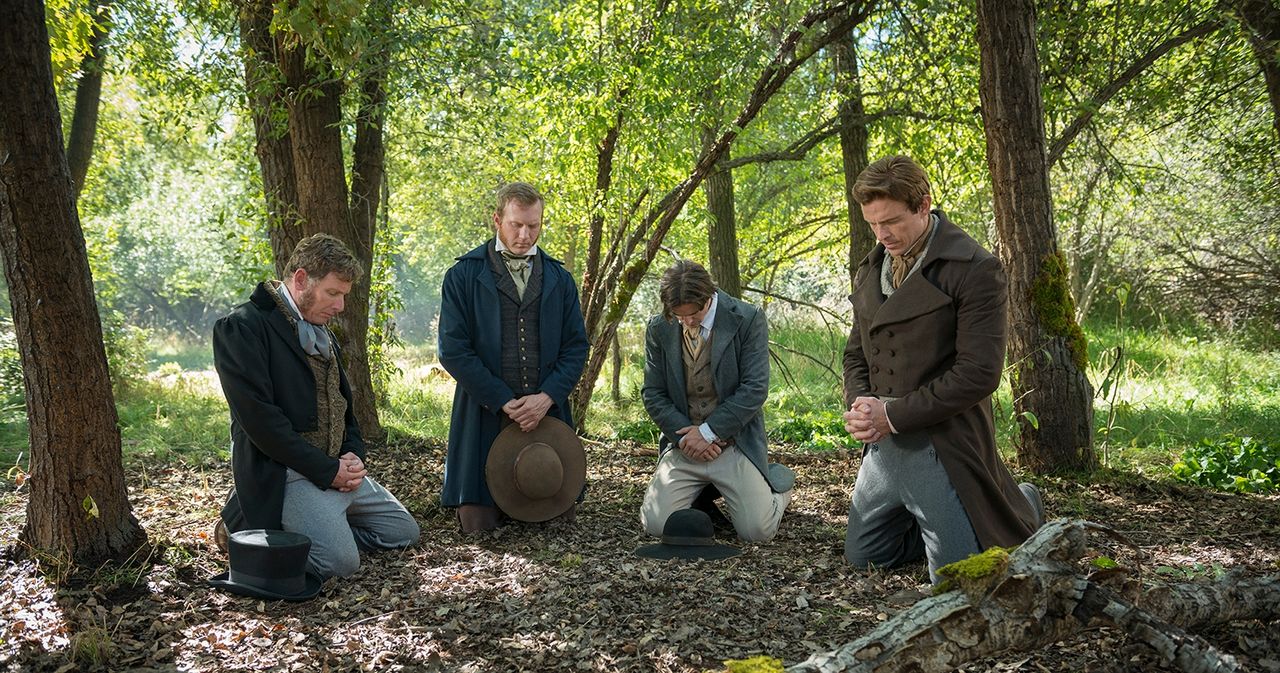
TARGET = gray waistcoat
(520,343)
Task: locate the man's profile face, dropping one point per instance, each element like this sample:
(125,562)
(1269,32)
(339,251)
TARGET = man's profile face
(895,225)
(319,300)
(518,226)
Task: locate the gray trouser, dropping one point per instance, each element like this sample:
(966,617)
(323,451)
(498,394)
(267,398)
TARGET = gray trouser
(904,508)
(341,525)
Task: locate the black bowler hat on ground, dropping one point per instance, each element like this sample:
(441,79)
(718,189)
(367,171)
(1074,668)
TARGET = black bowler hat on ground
(270,564)
(688,534)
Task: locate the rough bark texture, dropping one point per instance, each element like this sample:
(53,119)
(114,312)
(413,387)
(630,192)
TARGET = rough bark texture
(1261,21)
(78,504)
(1041,597)
(853,148)
(722,226)
(84,119)
(1052,396)
(315,118)
(272,143)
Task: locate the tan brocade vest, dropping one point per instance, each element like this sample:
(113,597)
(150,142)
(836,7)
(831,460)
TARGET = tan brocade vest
(331,406)
(699,384)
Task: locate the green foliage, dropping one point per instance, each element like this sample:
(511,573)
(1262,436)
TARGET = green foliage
(818,431)
(640,431)
(126,347)
(12,390)
(92,647)
(1231,463)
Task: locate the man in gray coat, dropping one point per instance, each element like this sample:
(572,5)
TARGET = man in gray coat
(921,364)
(706,377)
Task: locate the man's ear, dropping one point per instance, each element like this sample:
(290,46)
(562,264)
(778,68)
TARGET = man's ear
(926,204)
(298,281)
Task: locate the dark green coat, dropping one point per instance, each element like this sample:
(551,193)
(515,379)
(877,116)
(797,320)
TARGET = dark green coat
(271,392)
(938,344)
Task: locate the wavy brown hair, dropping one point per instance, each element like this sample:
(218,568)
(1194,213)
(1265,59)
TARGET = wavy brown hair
(685,282)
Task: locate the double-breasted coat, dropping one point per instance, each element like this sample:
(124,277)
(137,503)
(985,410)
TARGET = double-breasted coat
(937,344)
(470,349)
(740,367)
(271,392)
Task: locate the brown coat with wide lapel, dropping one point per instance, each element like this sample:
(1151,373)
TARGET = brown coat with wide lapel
(938,344)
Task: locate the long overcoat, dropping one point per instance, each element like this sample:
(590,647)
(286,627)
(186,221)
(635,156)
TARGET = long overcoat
(938,345)
(271,392)
(740,367)
(470,349)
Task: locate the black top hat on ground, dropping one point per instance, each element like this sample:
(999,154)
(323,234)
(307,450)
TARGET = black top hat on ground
(687,534)
(270,564)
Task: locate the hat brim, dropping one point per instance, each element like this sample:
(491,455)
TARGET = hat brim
(500,475)
(662,551)
(223,581)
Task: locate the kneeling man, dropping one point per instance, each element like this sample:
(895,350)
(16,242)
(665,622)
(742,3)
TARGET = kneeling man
(706,377)
(296,453)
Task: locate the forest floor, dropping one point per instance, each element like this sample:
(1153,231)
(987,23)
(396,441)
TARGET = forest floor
(562,596)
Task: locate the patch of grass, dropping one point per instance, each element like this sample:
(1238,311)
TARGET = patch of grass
(92,647)
(178,416)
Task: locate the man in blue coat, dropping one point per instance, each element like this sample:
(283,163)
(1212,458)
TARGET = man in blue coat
(706,378)
(512,336)
(296,452)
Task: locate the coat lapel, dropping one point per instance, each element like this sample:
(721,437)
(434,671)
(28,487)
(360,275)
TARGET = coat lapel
(723,330)
(671,343)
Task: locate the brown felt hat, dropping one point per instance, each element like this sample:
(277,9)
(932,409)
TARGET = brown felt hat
(536,475)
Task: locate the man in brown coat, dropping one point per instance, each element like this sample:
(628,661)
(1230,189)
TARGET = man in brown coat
(922,361)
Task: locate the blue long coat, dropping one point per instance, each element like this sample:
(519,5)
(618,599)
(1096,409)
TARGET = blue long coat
(470,349)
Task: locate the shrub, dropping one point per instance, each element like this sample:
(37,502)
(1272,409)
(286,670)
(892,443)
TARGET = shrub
(1230,463)
(642,432)
(816,431)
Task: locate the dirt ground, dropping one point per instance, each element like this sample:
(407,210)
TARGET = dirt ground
(563,597)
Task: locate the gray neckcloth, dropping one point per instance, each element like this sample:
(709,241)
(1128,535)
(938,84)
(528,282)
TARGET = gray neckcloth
(313,338)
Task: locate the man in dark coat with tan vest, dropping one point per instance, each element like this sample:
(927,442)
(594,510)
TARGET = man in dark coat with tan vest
(296,452)
(922,361)
(512,335)
(706,378)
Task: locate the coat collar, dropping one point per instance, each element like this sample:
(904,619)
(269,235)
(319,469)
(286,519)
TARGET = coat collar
(949,243)
(725,328)
(262,298)
(481,253)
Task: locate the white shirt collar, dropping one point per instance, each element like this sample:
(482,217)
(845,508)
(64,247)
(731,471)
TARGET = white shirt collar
(500,246)
(284,292)
(710,318)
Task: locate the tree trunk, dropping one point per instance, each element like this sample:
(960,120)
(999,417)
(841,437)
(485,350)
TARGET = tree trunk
(78,505)
(617,371)
(1261,20)
(853,148)
(367,172)
(722,227)
(84,120)
(1052,397)
(1038,597)
(273,145)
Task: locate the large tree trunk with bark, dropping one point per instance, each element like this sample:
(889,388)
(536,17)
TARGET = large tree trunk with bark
(853,148)
(78,505)
(84,119)
(1040,595)
(1053,399)
(273,145)
(722,227)
(315,118)
(1261,21)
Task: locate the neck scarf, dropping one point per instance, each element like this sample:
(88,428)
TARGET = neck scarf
(518,265)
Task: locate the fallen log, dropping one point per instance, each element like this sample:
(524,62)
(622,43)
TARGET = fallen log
(1037,595)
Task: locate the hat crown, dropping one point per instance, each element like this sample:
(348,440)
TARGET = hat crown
(688,527)
(538,471)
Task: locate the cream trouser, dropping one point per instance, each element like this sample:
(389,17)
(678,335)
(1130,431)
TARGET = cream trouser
(753,507)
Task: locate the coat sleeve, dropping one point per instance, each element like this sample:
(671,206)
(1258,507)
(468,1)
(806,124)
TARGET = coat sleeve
(733,412)
(857,375)
(457,344)
(240,357)
(573,347)
(657,398)
(981,324)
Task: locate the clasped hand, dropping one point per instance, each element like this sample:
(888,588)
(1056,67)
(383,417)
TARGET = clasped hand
(866,420)
(528,411)
(350,472)
(696,447)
